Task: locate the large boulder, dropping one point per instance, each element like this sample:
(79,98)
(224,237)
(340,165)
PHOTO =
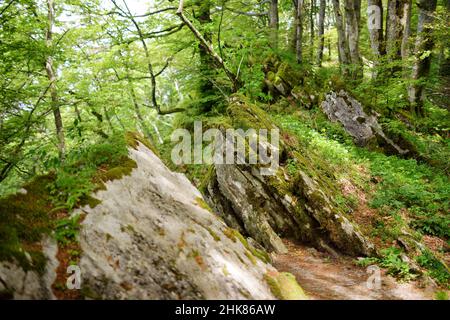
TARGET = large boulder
(364,128)
(152,236)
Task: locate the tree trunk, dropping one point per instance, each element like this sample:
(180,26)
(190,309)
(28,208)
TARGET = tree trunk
(407,7)
(298,30)
(375,25)
(137,110)
(396,24)
(273,24)
(344,58)
(53,89)
(424,46)
(206,45)
(321,31)
(352,21)
(311,27)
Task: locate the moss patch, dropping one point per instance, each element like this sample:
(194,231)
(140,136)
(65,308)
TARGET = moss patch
(235,235)
(202,204)
(133,139)
(284,286)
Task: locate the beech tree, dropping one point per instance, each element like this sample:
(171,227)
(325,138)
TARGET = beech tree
(423,53)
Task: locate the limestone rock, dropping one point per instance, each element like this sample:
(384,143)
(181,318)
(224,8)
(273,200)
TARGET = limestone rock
(365,129)
(152,238)
(267,208)
(249,202)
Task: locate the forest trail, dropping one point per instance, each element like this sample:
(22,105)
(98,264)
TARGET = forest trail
(324,277)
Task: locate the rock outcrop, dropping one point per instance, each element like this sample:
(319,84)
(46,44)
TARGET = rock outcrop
(365,129)
(267,208)
(153,237)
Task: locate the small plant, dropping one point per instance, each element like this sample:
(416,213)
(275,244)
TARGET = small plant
(66,230)
(395,265)
(391,259)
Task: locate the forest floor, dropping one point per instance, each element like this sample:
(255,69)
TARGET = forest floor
(324,277)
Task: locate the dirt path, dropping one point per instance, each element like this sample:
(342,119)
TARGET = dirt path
(324,277)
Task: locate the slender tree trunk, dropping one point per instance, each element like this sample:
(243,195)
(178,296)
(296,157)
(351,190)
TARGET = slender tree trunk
(298,30)
(352,20)
(342,44)
(207,66)
(407,7)
(206,45)
(273,23)
(424,46)
(312,9)
(321,31)
(376,35)
(137,110)
(375,25)
(344,56)
(444,58)
(53,89)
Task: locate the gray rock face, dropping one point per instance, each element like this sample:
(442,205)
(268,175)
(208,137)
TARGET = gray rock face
(152,238)
(249,203)
(365,129)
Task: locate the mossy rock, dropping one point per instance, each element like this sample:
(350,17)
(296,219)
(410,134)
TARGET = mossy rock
(133,139)
(25,217)
(289,75)
(235,235)
(284,286)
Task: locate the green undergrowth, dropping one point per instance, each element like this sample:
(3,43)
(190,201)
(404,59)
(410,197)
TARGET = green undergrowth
(44,204)
(392,259)
(401,183)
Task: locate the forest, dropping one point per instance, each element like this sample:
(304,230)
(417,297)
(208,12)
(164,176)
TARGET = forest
(93,92)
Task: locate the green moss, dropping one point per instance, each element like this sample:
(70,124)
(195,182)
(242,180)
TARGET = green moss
(441,295)
(26,217)
(251,257)
(124,169)
(229,233)
(235,235)
(246,115)
(92,202)
(24,220)
(210,175)
(133,139)
(202,204)
(225,271)
(213,234)
(284,286)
